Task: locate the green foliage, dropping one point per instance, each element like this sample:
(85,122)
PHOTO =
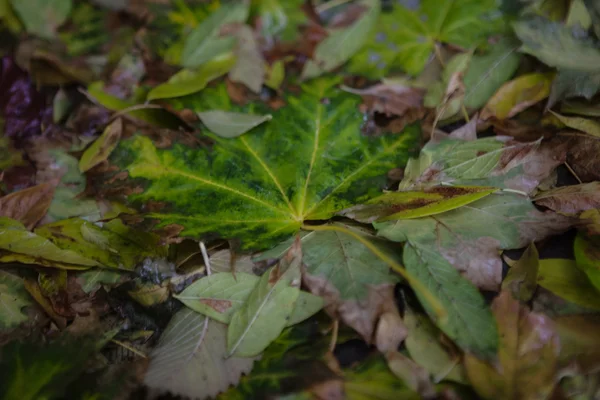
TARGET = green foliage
(13,298)
(42,17)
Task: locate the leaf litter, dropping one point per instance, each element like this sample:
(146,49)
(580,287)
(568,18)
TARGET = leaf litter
(284,199)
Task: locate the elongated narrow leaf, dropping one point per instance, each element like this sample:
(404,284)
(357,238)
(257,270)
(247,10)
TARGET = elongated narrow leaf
(469,321)
(307,163)
(102,147)
(588,126)
(190,358)
(205,42)
(231,124)
(188,81)
(409,204)
(341,44)
(268,308)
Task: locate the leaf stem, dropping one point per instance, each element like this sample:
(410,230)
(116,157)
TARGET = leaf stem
(437,306)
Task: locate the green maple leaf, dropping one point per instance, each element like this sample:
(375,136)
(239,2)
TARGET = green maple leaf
(408,35)
(307,163)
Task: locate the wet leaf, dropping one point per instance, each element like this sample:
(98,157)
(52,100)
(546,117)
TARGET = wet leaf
(266,182)
(588,126)
(42,17)
(571,199)
(205,42)
(188,81)
(587,256)
(269,306)
(31,248)
(190,358)
(110,244)
(101,148)
(28,205)
(522,278)
(527,356)
(493,161)
(471,237)
(13,298)
(411,204)
(340,269)
(342,43)
(231,124)
(487,72)
(563,278)
(406,37)
(517,95)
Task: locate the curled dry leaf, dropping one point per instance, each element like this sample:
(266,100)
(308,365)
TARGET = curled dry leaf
(28,205)
(527,356)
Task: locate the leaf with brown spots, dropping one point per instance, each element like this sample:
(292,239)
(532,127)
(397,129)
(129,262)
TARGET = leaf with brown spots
(391,99)
(28,205)
(527,357)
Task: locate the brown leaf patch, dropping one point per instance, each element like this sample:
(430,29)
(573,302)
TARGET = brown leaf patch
(571,199)
(217,305)
(29,205)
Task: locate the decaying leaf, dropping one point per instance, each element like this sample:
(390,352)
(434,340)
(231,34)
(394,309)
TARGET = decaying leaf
(190,359)
(305,164)
(517,95)
(572,199)
(391,99)
(527,356)
(28,205)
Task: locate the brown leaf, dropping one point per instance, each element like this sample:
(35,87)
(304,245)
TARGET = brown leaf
(390,99)
(571,199)
(527,355)
(28,205)
(583,157)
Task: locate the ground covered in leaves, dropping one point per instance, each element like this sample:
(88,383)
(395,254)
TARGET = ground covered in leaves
(286,199)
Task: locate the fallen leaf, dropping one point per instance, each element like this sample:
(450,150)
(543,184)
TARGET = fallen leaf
(188,81)
(249,68)
(110,244)
(571,83)
(231,124)
(411,204)
(281,19)
(205,42)
(582,157)
(587,256)
(342,43)
(13,299)
(338,268)
(517,95)
(579,340)
(494,161)
(522,277)
(149,294)
(42,17)
(407,36)
(101,148)
(412,374)
(447,95)
(389,98)
(92,279)
(425,348)
(527,357)
(487,72)
(373,378)
(588,126)
(564,279)
(33,249)
(274,186)
(572,199)
(221,261)
(28,205)
(471,237)
(275,75)
(190,358)
(268,307)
